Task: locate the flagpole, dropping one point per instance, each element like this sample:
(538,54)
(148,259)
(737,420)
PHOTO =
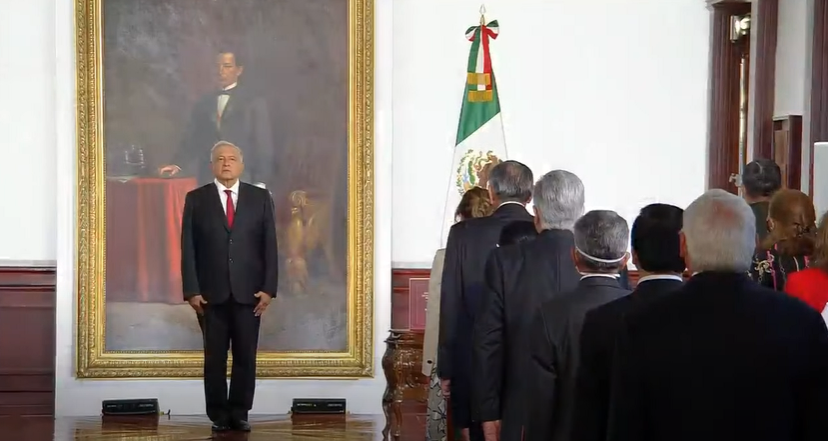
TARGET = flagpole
(505,145)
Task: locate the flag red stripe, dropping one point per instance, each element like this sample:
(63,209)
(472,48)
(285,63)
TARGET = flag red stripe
(487,59)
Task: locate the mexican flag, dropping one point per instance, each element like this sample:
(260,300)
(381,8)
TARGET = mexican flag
(480,140)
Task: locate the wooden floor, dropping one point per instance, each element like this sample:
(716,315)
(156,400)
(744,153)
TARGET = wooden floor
(182,428)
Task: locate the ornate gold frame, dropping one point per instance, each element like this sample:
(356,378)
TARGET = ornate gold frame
(95,362)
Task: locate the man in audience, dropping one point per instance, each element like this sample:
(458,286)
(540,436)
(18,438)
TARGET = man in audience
(469,243)
(518,279)
(517,232)
(657,255)
(721,358)
(600,251)
(760,180)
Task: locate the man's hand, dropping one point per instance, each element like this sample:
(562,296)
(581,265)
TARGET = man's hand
(169,170)
(196,302)
(491,430)
(264,301)
(445,386)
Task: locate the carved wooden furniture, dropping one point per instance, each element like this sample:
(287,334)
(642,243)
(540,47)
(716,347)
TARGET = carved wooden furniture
(402,365)
(787,149)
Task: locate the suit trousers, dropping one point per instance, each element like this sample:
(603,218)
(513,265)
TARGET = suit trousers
(222,324)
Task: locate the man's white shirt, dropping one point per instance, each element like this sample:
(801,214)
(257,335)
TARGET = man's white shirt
(234,195)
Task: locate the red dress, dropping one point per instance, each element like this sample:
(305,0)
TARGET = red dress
(809,285)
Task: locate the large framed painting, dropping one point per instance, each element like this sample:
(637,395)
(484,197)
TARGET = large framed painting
(159,82)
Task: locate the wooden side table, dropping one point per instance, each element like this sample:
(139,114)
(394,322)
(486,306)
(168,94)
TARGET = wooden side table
(402,365)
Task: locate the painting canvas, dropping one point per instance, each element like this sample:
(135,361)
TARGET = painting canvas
(284,80)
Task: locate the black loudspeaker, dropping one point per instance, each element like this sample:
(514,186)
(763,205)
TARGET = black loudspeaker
(318,406)
(140,406)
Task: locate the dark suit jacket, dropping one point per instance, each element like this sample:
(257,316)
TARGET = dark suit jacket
(217,261)
(601,328)
(555,355)
(245,123)
(519,278)
(469,244)
(721,359)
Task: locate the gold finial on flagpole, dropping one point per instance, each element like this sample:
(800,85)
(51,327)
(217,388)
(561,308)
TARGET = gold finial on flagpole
(482,14)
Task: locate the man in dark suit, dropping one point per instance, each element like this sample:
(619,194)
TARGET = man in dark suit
(518,279)
(234,114)
(469,243)
(722,358)
(230,273)
(656,254)
(600,251)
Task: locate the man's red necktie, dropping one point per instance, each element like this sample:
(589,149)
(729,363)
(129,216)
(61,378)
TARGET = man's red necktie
(231,211)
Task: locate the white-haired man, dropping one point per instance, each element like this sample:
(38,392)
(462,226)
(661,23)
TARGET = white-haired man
(721,358)
(469,243)
(599,253)
(229,269)
(518,278)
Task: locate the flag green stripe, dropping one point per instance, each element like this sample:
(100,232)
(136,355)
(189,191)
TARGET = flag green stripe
(475,48)
(474,115)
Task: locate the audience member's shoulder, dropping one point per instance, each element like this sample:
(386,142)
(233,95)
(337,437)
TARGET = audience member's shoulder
(615,308)
(779,303)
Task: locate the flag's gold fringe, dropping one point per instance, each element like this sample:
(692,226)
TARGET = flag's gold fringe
(480,96)
(479,79)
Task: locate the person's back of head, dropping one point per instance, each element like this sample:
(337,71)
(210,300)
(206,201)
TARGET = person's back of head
(601,239)
(510,181)
(820,255)
(791,223)
(655,239)
(517,232)
(474,203)
(558,200)
(761,179)
(718,233)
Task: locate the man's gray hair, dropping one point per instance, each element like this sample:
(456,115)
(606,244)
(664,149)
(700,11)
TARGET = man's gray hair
(228,144)
(602,238)
(559,198)
(720,232)
(511,181)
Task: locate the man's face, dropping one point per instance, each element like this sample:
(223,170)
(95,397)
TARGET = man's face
(228,71)
(227,163)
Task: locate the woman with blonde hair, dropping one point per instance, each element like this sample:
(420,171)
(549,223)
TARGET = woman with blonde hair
(790,241)
(474,203)
(811,285)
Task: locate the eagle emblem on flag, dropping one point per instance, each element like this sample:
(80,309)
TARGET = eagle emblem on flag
(474,168)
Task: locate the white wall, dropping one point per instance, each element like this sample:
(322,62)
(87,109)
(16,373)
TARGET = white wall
(793,69)
(615,91)
(27,66)
(186,397)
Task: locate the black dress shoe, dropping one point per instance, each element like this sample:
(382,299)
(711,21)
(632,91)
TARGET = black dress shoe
(240,425)
(221,426)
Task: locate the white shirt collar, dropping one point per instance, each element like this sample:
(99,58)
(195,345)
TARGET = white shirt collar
(234,189)
(608,276)
(510,202)
(660,277)
(231,87)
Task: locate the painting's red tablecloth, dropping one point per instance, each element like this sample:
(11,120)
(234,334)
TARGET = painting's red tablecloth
(143,239)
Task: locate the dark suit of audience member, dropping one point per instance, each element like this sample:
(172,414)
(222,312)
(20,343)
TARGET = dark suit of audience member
(760,180)
(601,239)
(517,232)
(518,279)
(657,255)
(722,358)
(469,244)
